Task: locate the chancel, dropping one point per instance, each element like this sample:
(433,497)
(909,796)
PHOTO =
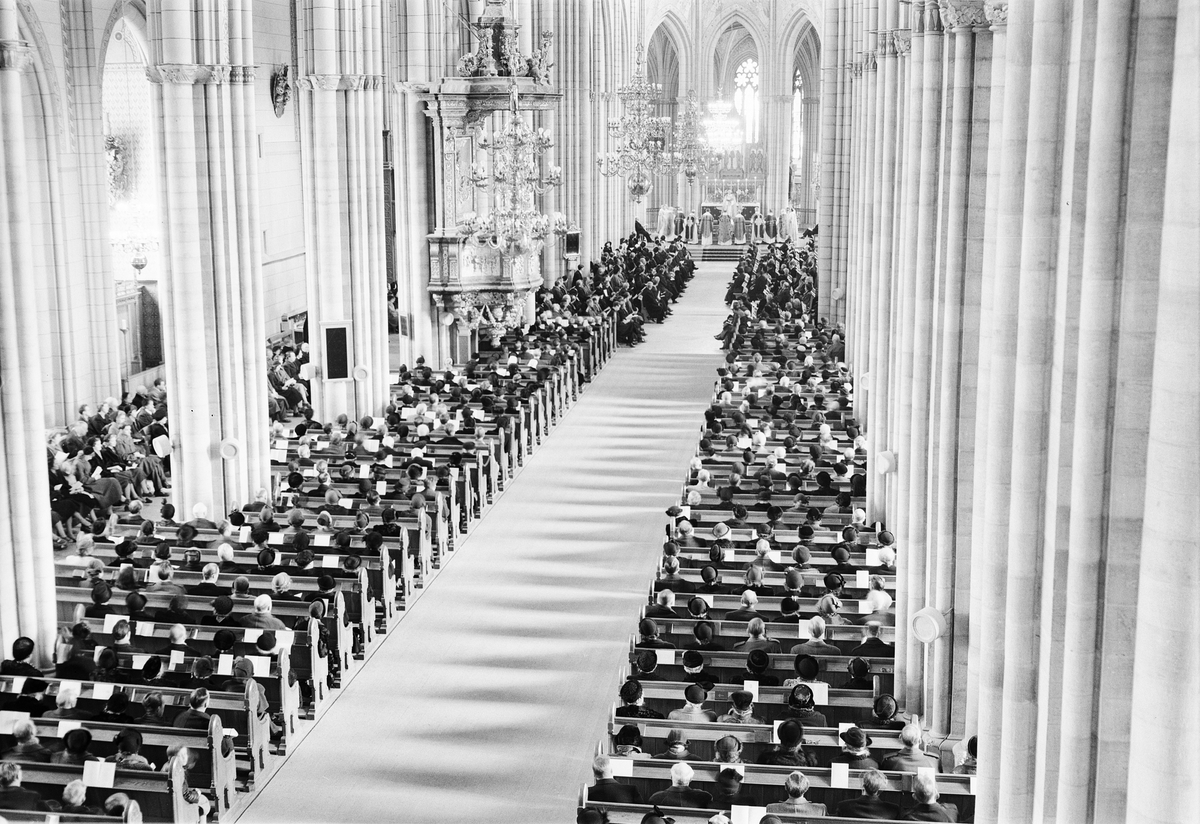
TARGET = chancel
(609,411)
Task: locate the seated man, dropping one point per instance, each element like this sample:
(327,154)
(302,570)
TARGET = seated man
(208,587)
(873,646)
(262,618)
(756,638)
(609,789)
(12,795)
(747,611)
(196,716)
(671,578)
(28,748)
(816,645)
(663,606)
(680,793)
(925,793)
(796,786)
(22,651)
(869,804)
(909,758)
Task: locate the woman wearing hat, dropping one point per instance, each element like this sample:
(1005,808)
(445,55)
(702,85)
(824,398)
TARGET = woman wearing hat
(855,750)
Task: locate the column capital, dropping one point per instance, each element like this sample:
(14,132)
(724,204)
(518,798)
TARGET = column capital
(869,64)
(15,55)
(887,46)
(996,12)
(964,14)
(241,74)
(902,39)
(933,16)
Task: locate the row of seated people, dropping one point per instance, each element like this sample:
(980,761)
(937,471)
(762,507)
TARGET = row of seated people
(778,275)
(111,455)
(638,279)
(805,722)
(155,723)
(203,600)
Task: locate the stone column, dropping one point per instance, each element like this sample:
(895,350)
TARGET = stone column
(1031,405)
(213,328)
(902,364)
(996,471)
(343,141)
(1164,745)
(1096,372)
(883,263)
(27,598)
(812,150)
(831,158)
(962,17)
(915,535)
(997,15)
(1146,178)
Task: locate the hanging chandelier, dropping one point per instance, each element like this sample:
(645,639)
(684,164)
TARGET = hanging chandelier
(723,128)
(690,139)
(514,225)
(640,136)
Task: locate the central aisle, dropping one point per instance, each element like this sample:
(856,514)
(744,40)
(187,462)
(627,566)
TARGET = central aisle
(487,701)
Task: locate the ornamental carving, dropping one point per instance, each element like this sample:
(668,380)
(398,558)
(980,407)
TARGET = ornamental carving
(869,64)
(281,88)
(174,73)
(15,55)
(887,46)
(116,152)
(996,12)
(218,75)
(964,14)
(902,40)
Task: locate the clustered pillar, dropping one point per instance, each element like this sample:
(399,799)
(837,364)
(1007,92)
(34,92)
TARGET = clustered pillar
(1009,199)
(27,600)
(342,75)
(202,67)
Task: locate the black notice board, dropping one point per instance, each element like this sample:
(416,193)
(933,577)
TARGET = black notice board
(337,353)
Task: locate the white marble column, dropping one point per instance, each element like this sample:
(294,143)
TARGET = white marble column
(832,158)
(343,148)
(1036,313)
(996,12)
(1164,746)
(996,470)
(962,17)
(27,598)
(213,330)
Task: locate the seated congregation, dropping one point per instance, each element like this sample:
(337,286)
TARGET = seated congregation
(759,683)
(195,651)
